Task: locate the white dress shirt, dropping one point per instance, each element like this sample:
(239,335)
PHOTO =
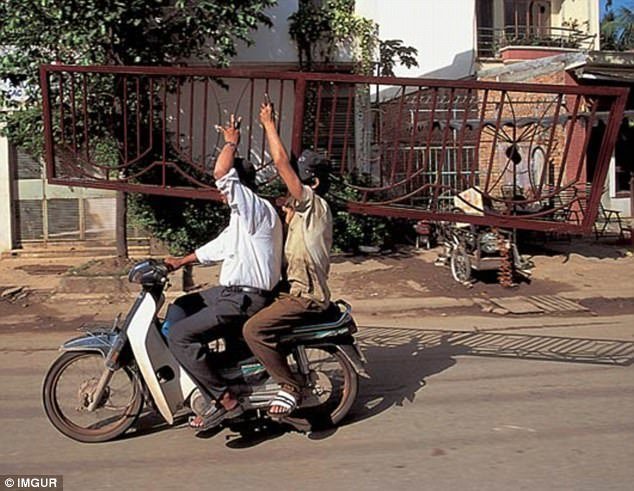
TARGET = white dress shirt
(250,248)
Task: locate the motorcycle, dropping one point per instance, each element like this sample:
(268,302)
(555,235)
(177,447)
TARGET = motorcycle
(96,389)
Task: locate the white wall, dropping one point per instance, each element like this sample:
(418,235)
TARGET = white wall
(582,11)
(272,46)
(443,32)
(6,239)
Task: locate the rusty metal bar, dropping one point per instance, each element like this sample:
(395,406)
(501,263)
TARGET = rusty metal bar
(298,117)
(164,134)
(346,131)
(410,154)
(333,107)
(62,125)
(552,138)
(430,131)
(125,119)
(586,142)
(48,126)
(476,160)
(178,115)
(317,117)
(461,137)
(396,135)
(192,84)
(605,153)
(205,123)
(85,109)
(138,116)
(280,106)
(495,139)
(335,77)
(570,133)
(252,82)
(73,111)
(263,144)
(440,165)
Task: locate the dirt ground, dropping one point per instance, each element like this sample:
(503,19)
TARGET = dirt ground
(598,274)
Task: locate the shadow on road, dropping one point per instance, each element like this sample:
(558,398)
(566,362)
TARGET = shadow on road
(399,360)
(150,422)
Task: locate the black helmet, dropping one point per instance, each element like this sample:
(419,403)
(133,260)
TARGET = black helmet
(311,164)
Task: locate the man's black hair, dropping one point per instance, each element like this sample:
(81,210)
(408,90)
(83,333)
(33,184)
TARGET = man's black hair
(246,172)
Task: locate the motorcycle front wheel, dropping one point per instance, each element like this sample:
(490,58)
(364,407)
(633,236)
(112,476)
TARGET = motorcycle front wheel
(332,387)
(68,390)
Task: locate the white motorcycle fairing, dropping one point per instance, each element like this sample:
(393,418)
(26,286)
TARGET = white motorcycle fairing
(169,385)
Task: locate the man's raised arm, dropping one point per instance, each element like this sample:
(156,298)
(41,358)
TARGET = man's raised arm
(231,134)
(278,152)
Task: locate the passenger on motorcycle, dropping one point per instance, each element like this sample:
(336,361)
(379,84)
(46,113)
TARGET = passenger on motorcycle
(307,254)
(250,249)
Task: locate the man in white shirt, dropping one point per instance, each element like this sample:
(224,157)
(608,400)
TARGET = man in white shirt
(250,249)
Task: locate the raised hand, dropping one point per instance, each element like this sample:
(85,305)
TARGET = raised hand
(231,131)
(267,115)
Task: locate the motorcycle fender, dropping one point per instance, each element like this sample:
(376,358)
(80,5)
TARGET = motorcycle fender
(101,343)
(152,355)
(354,356)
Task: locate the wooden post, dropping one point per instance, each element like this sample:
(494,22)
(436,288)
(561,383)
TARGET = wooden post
(121,225)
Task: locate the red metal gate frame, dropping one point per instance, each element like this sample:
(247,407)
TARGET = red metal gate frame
(613,98)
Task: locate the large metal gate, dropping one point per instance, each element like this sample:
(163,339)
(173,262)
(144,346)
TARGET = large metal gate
(504,154)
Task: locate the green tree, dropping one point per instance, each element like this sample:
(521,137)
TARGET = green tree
(122,32)
(617,29)
(318,32)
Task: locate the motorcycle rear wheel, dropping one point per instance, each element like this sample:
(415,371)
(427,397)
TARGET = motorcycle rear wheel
(335,385)
(67,392)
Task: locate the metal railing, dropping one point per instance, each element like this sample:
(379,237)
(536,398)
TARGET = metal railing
(492,40)
(403,147)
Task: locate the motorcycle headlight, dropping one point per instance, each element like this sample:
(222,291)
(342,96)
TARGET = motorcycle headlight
(147,273)
(489,242)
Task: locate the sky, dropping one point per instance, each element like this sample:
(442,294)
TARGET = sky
(616,4)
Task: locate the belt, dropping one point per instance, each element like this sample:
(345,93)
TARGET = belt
(249,289)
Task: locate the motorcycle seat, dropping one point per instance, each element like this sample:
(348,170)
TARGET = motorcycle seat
(336,319)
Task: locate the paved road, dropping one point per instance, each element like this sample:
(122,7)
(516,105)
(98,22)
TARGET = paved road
(436,415)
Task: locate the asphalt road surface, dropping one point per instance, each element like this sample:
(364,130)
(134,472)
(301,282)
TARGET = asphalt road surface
(437,414)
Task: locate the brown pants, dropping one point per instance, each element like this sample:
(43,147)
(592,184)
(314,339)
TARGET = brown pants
(262,330)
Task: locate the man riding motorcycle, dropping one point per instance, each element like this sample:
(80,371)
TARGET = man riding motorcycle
(250,249)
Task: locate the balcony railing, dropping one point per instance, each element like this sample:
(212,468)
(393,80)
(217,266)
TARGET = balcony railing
(492,40)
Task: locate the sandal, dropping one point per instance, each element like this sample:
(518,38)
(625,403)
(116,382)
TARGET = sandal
(285,400)
(215,414)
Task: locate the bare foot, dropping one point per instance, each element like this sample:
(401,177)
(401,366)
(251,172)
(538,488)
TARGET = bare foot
(228,401)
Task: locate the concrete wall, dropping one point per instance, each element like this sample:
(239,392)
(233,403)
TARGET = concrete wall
(6,225)
(273,46)
(582,11)
(442,32)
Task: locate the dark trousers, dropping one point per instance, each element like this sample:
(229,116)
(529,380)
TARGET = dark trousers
(262,330)
(188,337)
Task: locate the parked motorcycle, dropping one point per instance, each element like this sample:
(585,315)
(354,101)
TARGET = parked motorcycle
(96,389)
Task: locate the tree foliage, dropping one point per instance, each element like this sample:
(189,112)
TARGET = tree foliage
(319,31)
(120,32)
(128,32)
(617,29)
